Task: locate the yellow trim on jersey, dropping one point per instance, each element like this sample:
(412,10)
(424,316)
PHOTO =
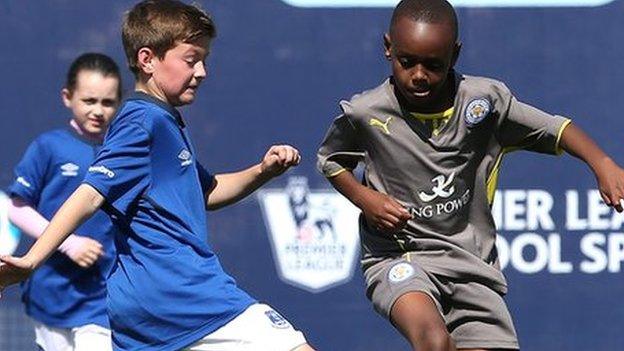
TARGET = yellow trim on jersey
(492,180)
(436,126)
(440,115)
(558,149)
(336,173)
(436,121)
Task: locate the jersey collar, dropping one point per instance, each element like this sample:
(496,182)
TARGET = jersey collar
(139,95)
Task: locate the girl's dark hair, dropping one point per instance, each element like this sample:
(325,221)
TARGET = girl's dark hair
(95,62)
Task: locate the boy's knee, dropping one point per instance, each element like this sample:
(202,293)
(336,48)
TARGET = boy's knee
(434,339)
(438,341)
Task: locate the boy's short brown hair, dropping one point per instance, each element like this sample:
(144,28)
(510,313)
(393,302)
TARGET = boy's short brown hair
(160,25)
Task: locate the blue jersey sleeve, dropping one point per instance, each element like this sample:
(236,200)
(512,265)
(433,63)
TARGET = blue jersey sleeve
(30,174)
(205,178)
(121,169)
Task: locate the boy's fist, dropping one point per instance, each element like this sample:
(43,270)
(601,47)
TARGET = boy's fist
(278,159)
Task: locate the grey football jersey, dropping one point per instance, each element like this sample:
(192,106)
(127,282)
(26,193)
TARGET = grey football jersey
(445,179)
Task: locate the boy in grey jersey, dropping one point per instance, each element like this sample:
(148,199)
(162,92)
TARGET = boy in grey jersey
(431,140)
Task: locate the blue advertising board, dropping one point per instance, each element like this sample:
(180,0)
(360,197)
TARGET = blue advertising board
(276,73)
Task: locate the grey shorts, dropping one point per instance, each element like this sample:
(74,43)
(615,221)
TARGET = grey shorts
(475,315)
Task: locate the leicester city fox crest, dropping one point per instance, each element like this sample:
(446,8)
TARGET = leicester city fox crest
(400,272)
(476,111)
(314,234)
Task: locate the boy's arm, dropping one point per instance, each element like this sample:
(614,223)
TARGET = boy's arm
(382,212)
(340,152)
(609,175)
(83,250)
(231,187)
(81,205)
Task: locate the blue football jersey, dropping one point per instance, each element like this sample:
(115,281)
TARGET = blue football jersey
(167,289)
(60,293)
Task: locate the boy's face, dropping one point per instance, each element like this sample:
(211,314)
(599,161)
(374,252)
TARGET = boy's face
(93,102)
(421,55)
(178,74)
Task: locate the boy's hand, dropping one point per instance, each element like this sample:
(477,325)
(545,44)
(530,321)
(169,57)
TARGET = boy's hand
(278,159)
(82,250)
(610,179)
(14,270)
(383,213)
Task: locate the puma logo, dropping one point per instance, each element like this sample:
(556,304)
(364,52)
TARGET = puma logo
(382,125)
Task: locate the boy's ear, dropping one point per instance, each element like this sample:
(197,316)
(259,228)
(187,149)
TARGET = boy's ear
(456,51)
(145,60)
(387,46)
(66,96)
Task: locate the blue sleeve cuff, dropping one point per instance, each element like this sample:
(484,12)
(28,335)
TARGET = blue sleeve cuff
(17,189)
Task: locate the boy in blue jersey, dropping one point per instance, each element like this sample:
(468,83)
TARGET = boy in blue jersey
(66,297)
(167,290)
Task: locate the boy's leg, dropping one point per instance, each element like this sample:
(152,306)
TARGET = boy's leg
(258,328)
(417,317)
(92,337)
(53,339)
(404,293)
(478,318)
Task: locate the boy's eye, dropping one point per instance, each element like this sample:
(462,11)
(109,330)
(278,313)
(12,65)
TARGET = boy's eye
(109,102)
(434,66)
(89,101)
(406,62)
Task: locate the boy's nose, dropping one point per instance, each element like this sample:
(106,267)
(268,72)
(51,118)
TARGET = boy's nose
(200,70)
(98,110)
(419,73)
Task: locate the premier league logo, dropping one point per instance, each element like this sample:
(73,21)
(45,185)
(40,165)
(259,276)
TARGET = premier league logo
(314,234)
(9,234)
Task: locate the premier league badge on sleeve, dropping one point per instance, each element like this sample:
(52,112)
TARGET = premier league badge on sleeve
(476,111)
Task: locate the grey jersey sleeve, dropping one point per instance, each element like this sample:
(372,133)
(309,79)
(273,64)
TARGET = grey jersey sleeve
(523,126)
(340,149)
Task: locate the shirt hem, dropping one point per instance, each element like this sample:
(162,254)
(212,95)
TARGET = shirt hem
(74,323)
(486,344)
(185,340)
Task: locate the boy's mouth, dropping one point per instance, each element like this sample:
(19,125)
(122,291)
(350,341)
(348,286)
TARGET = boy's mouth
(421,94)
(420,91)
